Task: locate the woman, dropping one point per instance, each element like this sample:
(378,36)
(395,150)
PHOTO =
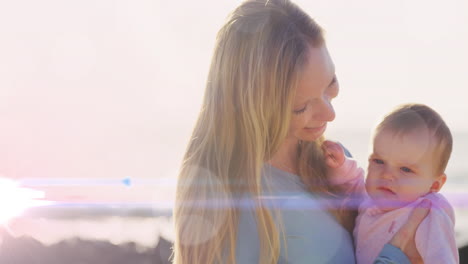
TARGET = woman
(250,187)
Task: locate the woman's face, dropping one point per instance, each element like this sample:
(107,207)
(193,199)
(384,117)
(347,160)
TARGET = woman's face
(312,107)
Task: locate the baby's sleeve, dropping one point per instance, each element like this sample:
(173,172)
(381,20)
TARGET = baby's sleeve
(435,237)
(349,177)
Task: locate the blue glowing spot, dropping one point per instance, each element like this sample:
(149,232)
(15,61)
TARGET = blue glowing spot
(127,181)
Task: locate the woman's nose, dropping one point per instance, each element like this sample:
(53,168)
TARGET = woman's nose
(325,112)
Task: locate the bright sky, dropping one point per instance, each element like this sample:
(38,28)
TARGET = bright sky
(111,88)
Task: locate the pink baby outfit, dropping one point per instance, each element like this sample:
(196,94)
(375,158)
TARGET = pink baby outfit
(435,237)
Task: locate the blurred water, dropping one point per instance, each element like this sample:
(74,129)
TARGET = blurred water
(144,231)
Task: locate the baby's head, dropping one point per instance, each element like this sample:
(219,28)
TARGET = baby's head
(410,151)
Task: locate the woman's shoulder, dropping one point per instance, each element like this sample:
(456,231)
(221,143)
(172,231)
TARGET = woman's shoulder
(309,232)
(309,235)
(276,180)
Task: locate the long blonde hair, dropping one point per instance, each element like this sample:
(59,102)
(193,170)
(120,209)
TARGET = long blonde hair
(245,116)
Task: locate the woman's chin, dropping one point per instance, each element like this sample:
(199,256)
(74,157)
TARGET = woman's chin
(310,137)
(312,134)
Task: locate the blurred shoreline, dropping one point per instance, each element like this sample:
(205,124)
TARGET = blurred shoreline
(111,234)
(143,223)
(26,250)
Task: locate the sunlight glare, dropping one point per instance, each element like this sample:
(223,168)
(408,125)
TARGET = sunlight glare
(14,200)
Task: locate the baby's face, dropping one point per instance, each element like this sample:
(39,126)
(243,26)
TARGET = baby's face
(402,168)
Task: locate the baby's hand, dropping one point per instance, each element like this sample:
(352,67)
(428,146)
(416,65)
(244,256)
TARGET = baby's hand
(334,154)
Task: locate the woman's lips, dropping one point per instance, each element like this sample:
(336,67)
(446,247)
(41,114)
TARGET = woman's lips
(316,129)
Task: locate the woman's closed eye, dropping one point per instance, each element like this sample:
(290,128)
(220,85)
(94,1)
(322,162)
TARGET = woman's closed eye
(334,88)
(300,111)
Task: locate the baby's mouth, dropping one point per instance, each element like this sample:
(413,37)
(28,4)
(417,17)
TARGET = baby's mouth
(386,190)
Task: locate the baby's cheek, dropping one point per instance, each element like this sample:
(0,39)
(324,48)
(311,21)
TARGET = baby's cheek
(368,185)
(407,193)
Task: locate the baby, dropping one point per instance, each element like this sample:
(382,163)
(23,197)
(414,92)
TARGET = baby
(410,151)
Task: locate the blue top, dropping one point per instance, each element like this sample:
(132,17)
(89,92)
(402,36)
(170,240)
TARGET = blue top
(312,234)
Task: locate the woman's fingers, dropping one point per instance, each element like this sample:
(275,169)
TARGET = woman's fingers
(417,216)
(404,238)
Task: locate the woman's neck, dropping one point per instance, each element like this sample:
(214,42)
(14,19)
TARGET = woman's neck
(286,157)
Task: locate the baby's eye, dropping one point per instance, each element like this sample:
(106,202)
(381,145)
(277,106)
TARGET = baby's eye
(406,169)
(378,161)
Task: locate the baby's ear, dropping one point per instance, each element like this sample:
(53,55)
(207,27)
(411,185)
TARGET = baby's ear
(438,183)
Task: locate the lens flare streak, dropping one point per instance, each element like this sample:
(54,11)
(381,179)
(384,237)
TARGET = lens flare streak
(14,200)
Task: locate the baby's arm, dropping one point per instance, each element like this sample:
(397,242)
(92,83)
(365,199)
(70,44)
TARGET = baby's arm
(343,172)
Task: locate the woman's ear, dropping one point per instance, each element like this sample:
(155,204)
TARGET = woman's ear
(438,183)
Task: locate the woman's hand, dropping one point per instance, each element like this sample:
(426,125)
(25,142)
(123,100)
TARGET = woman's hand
(404,238)
(334,154)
